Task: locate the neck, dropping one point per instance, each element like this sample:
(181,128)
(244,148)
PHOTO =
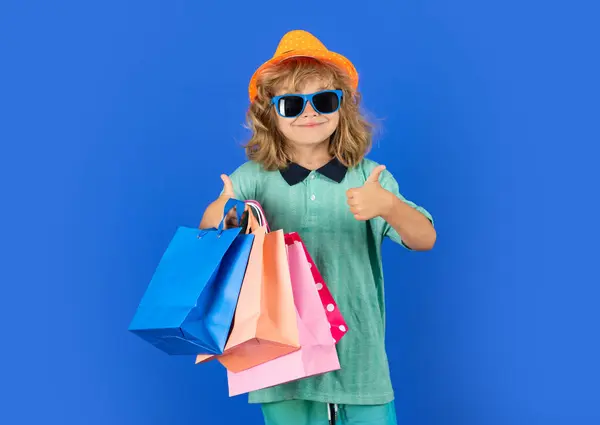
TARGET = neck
(312,157)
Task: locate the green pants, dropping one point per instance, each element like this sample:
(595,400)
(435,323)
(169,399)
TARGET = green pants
(302,412)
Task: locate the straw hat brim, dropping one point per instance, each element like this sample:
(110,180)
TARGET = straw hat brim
(325,56)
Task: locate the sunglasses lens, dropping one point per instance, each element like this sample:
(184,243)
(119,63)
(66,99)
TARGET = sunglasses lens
(290,106)
(326,103)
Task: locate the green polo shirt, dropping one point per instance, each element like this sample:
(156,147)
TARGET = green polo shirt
(348,255)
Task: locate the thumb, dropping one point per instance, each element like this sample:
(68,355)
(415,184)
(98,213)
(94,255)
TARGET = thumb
(374,177)
(227,186)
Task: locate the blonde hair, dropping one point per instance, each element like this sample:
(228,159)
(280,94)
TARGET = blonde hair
(349,143)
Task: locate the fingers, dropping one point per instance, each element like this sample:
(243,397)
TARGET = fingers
(358,213)
(352,193)
(227,186)
(231,220)
(356,209)
(374,177)
(353,198)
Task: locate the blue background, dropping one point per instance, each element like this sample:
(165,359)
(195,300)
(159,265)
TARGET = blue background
(117,117)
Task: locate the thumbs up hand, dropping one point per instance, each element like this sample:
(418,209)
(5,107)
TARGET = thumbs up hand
(227,186)
(371,200)
(228,192)
(213,215)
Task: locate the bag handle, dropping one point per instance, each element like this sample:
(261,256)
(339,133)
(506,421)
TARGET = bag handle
(260,213)
(253,222)
(239,209)
(257,214)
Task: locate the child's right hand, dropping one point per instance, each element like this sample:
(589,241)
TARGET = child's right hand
(228,192)
(213,215)
(227,186)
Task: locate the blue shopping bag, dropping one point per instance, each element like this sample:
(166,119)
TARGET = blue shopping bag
(189,304)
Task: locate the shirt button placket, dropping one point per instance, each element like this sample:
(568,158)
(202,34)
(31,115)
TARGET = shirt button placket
(311,186)
(312,196)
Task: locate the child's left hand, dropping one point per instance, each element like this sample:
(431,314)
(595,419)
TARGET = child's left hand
(371,200)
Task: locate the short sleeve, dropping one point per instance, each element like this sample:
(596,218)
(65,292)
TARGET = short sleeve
(389,183)
(245,181)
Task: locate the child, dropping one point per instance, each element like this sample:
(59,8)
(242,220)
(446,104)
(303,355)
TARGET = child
(307,168)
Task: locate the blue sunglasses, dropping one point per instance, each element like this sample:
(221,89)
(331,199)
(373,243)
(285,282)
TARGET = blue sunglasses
(323,102)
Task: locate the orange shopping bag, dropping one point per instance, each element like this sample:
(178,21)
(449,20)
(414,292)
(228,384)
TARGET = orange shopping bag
(264,325)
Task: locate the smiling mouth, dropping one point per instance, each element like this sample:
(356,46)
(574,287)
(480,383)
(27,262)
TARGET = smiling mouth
(314,124)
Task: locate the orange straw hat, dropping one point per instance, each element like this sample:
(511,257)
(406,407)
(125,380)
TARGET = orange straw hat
(300,43)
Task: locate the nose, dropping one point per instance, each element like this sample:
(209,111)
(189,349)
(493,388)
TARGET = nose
(309,111)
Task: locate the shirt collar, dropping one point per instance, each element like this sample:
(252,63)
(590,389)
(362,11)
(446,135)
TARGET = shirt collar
(295,173)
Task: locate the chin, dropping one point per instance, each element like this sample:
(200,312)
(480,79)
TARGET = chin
(311,139)
(310,142)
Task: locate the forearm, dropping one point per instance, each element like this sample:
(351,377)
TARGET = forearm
(416,231)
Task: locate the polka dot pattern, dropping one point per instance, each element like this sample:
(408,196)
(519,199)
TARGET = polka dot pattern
(337,324)
(299,43)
